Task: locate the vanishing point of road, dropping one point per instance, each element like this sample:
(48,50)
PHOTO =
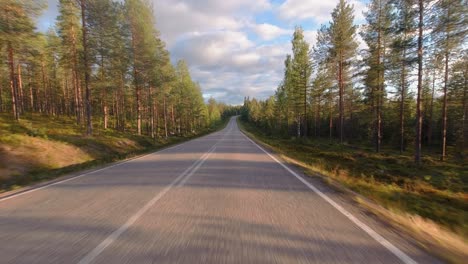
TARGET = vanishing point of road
(216,199)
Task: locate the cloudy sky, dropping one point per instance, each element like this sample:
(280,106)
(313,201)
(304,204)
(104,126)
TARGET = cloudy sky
(234,48)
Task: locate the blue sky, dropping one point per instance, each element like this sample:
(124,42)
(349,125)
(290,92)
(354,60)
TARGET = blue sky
(234,48)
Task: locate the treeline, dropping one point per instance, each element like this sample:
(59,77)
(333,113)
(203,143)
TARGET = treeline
(408,87)
(103,64)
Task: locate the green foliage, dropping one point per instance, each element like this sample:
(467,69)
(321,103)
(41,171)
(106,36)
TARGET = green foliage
(17,21)
(291,99)
(214,115)
(342,34)
(35,131)
(189,105)
(133,85)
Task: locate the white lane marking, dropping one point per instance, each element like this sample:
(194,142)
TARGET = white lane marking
(95,171)
(182,182)
(400,254)
(112,237)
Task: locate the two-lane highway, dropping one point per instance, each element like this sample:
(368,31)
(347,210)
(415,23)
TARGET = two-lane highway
(216,199)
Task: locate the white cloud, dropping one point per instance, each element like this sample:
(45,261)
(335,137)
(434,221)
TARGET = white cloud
(211,49)
(212,37)
(316,10)
(230,66)
(246,59)
(178,17)
(311,37)
(268,31)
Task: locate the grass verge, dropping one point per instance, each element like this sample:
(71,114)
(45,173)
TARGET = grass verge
(429,202)
(39,148)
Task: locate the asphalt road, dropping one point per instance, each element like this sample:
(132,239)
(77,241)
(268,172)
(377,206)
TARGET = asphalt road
(215,199)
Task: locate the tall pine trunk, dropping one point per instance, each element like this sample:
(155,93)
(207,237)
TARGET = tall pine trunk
(1,98)
(380,81)
(417,152)
(121,101)
(89,127)
(341,95)
(165,117)
(330,121)
(31,92)
(444,110)
(318,116)
(76,80)
(151,105)
(444,102)
(465,109)
(305,109)
(137,88)
(173,119)
(431,111)
(104,96)
(156,115)
(20,90)
(11,66)
(402,101)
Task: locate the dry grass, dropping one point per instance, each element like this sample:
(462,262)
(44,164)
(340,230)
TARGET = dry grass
(432,236)
(31,153)
(39,148)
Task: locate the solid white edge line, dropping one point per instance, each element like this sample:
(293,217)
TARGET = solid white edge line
(115,235)
(397,252)
(34,189)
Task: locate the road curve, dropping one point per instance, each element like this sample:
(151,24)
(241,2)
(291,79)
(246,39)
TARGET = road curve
(216,199)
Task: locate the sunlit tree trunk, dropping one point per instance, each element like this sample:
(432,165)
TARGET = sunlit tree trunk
(11,66)
(20,90)
(417,152)
(402,102)
(165,117)
(89,126)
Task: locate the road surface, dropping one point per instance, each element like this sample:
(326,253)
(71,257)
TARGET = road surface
(216,199)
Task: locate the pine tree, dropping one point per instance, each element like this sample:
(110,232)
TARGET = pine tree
(417,152)
(301,69)
(69,29)
(103,27)
(214,115)
(458,92)
(342,49)
(450,31)
(119,62)
(281,109)
(401,51)
(16,18)
(320,84)
(326,71)
(287,92)
(143,39)
(86,66)
(376,36)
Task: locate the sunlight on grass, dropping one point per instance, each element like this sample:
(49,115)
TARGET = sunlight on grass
(39,148)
